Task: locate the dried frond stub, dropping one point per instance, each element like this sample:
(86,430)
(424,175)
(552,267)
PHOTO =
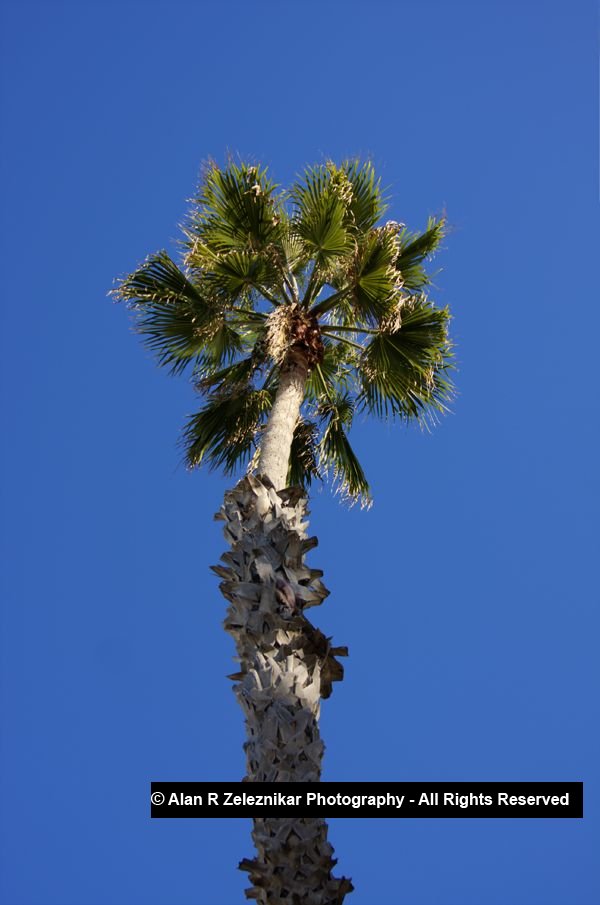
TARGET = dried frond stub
(292,329)
(393,320)
(278,332)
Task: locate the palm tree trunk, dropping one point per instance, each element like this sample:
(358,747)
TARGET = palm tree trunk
(278,434)
(286,664)
(286,667)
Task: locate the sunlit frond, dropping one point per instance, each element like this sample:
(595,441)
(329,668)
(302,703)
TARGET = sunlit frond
(415,248)
(320,217)
(236,208)
(366,204)
(376,278)
(234,274)
(405,365)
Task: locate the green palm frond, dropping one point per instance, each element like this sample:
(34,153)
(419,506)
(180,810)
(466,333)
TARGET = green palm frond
(376,278)
(336,455)
(414,248)
(223,343)
(158,279)
(211,378)
(234,275)
(223,433)
(235,209)
(294,253)
(236,271)
(320,217)
(312,270)
(238,236)
(404,366)
(366,205)
(334,372)
(303,467)
(174,317)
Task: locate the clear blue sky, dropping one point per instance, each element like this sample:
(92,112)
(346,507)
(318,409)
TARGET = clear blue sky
(467,595)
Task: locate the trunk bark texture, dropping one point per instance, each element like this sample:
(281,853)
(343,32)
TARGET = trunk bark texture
(286,666)
(278,434)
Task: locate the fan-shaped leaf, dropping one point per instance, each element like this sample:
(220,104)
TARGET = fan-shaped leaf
(303,465)
(175,318)
(224,431)
(404,366)
(335,452)
(414,248)
(376,279)
(381,350)
(320,217)
(366,204)
(235,209)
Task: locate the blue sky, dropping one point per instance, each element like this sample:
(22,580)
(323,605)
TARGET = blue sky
(467,595)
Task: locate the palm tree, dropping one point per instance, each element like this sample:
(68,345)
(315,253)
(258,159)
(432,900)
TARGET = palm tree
(294,311)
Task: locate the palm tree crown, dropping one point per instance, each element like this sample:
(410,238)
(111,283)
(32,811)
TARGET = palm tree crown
(311,275)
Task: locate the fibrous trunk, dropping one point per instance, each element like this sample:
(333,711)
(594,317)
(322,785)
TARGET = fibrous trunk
(286,667)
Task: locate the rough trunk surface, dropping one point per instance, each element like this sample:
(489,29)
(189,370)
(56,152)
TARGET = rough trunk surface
(286,667)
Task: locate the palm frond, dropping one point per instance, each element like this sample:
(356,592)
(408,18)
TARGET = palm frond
(414,248)
(335,372)
(223,432)
(239,270)
(313,271)
(335,452)
(320,217)
(174,317)
(158,279)
(212,378)
(376,279)
(294,253)
(404,366)
(223,343)
(366,205)
(303,466)
(235,209)
(233,274)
